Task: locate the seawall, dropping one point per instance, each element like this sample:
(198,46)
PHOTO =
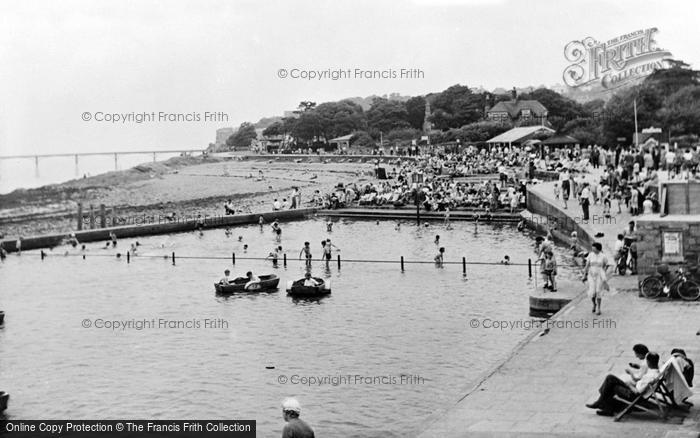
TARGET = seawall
(159,226)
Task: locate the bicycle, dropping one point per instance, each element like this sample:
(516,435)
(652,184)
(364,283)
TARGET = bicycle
(680,285)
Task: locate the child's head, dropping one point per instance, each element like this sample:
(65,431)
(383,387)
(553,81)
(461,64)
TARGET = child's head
(620,237)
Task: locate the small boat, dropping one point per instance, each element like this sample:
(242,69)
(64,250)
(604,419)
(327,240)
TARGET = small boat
(267,282)
(4,398)
(297,288)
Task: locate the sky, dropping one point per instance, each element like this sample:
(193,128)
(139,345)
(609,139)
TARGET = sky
(61,60)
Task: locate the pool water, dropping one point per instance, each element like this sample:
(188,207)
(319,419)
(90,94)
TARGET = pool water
(406,335)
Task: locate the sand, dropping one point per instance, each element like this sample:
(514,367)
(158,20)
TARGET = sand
(185,186)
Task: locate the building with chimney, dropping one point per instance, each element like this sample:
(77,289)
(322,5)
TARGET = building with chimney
(518,111)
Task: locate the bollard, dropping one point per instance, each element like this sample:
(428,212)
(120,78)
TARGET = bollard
(233,258)
(103,216)
(43,254)
(529,268)
(338,261)
(80,216)
(83,256)
(402,264)
(464,266)
(284,258)
(128,257)
(173,258)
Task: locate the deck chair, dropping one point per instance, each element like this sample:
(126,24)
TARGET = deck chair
(659,400)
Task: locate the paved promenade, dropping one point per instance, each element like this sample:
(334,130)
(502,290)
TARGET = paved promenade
(542,389)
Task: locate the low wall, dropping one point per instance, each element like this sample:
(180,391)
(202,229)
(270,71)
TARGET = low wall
(551,216)
(102,234)
(546,175)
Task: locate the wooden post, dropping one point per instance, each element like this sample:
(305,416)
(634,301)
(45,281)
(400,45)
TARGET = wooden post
(103,216)
(402,269)
(284,258)
(464,266)
(43,254)
(338,261)
(128,256)
(529,268)
(36,166)
(173,258)
(77,169)
(417,207)
(92,217)
(233,258)
(80,216)
(116,167)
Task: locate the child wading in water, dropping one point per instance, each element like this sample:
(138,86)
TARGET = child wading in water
(550,271)
(440,257)
(275,255)
(306,250)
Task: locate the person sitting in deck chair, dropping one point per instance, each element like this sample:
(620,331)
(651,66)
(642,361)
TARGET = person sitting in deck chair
(612,386)
(680,379)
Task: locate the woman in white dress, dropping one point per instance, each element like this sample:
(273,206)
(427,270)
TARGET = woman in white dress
(595,273)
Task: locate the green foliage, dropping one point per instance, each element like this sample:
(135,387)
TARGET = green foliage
(339,118)
(481,131)
(681,111)
(415,111)
(242,137)
(362,139)
(385,115)
(455,107)
(402,135)
(667,99)
(277,128)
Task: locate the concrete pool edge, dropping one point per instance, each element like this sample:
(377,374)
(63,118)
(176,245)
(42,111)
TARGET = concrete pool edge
(211,222)
(150,229)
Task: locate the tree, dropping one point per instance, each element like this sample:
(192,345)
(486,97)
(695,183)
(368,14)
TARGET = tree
(402,135)
(681,111)
(307,127)
(385,115)
(415,111)
(456,106)
(481,131)
(339,118)
(362,139)
(276,128)
(242,137)
(305,105)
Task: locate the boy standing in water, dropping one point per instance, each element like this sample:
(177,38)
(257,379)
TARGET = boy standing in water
(327,247)
(550,270)
(275,255)
(306,250)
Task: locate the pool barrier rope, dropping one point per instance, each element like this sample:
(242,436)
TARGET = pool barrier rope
(402,261)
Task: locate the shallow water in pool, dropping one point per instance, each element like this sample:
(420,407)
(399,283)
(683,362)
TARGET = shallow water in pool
(389,347)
